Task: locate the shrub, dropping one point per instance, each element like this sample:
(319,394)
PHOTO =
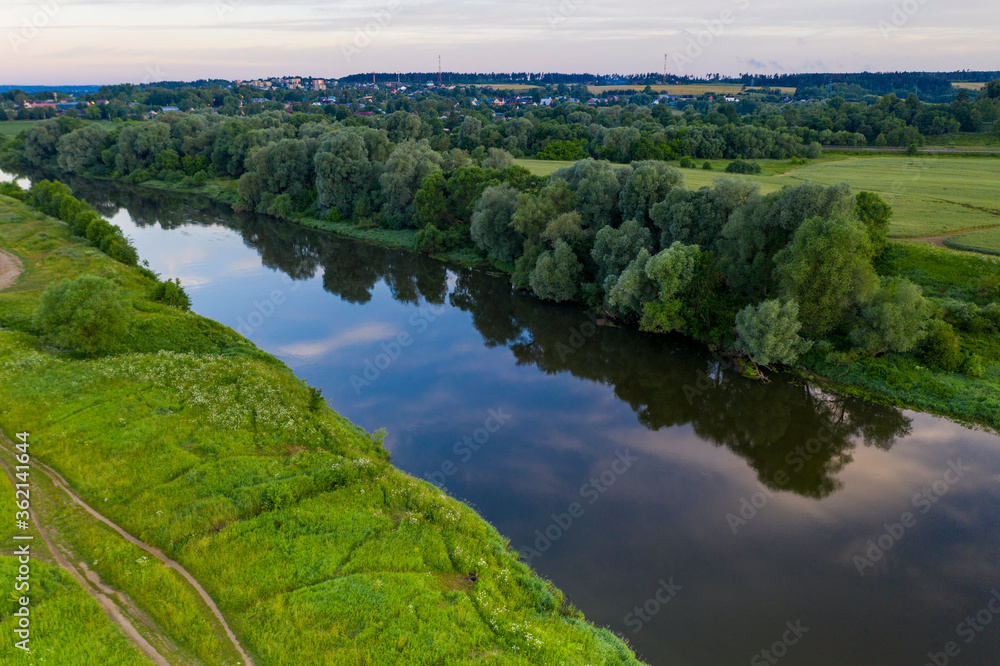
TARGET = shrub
(171,292)
(687,162)
(707,166)
(769,333)
(943,349)
(88,314)
(744,167)
(431,240)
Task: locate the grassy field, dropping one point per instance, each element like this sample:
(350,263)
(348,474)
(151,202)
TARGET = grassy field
(12,127)
(986,241)
(315,548)
(967,85)
(682,89)
(963,140)
(931,196)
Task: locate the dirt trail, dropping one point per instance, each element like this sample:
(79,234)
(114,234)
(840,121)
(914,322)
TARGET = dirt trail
(109,606)
(62,484)
(10,269)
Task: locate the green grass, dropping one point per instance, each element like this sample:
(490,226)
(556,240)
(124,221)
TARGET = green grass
(68,626)
(13,127)
(987,241)
(964,140)
(316,549)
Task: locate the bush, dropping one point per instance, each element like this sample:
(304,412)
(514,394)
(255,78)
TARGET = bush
(769,333)
(707,166)
(686,162)
(943,349)
(171,292)
(431,240)
(88,314)
(744,167)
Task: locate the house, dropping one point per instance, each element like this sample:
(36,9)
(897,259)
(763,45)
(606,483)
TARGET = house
(546,101)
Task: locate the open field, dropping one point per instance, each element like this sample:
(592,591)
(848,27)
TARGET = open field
(313,546)
(963,140)
(966,85)
(931,196)
(12,127)
(986,241)
(673,89)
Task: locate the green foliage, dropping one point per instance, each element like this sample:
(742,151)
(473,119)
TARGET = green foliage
(743,167)
(895,320)
(707,166)
(564,150)
(491,223)
(671,271)
(170,292)
(430,240)
(943,347)
(556,274)
(875,214)
(769,333)
(614,249)
(827,269)
(629,292)
(89,314)
(404,173)
(646,184)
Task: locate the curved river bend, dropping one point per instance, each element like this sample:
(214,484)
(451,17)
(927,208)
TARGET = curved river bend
(703,517)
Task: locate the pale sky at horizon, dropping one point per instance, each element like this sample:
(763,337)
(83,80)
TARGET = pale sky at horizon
(108,41)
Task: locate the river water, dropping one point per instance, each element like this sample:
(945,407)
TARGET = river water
(705,518)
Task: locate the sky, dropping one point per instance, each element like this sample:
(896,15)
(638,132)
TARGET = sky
(72,42)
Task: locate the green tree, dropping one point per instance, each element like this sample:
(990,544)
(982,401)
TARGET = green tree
(875,214)
(647,184)
(556,274)
(614,249)
(827,269)
(405,170)
(895,320)
(630,291)
(81,149)
(89,314)
(671,271)
(769,333)
(491,223)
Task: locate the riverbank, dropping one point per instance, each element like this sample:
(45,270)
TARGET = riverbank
(314,547)
(960,281)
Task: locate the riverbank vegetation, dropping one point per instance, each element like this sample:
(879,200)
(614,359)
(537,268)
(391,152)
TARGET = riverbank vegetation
(783,277)
(314,547)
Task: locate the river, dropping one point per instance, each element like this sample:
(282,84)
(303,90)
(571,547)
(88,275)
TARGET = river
(704,517)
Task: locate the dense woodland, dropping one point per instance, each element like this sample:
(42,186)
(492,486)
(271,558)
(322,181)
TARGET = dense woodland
(772,277)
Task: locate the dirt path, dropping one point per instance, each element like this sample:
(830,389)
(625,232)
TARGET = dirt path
(109,606)
(63,485)
(10,269)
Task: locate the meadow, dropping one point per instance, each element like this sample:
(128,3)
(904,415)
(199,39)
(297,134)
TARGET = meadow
(313,545)
(13,127)
(931,196)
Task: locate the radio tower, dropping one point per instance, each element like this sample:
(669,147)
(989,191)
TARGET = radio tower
(665,67)
(439,70)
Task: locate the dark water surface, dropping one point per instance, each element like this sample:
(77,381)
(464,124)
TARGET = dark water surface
(632,466)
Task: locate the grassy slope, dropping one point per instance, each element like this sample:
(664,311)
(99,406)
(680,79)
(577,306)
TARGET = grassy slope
(313,545)
(68,626)
(986,241)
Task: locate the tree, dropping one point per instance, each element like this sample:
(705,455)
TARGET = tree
(630,291)
(491,223)
(430,203)
(348,164)
(556,274)
(875,214)
(138,146)
(410,163)
(648,184)
(671,271)
(88,314)
(614,249)
(827,268)
(596,186)
(769,333)
(497,159)
(80,149)
(895,320)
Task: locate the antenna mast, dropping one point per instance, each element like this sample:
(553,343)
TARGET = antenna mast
(439,70)
(665,67)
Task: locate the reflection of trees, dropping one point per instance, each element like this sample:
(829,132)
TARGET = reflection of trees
(667,382)
(795,438)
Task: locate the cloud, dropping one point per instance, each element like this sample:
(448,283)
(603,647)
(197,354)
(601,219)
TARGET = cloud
(316,349)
